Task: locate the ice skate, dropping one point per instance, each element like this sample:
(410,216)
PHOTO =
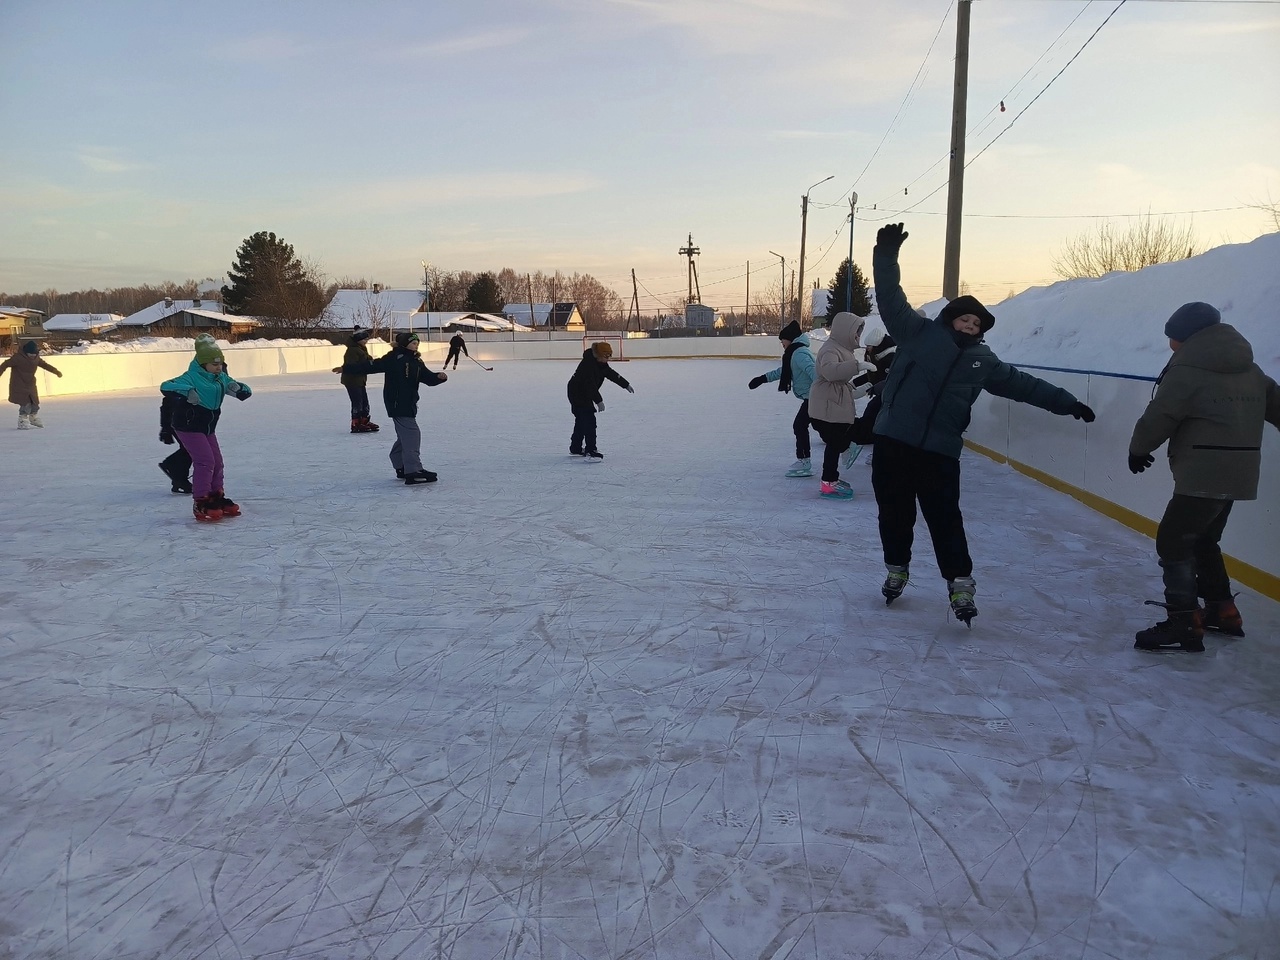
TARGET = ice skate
(204,510)
(593,456)
(23,422)
(836,490)
(961,591)
(850,456)
(801,468)
(35,420)
(419,476)
(1223,617)
(895,582)
(1182,632)
(228,507)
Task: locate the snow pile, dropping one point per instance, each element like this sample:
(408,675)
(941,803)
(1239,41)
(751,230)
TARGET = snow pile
(181,345)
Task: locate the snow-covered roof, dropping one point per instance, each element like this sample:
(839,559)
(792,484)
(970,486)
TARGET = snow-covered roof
(20,311)
(560,313)
(83,321)
(164,308)
(370,308)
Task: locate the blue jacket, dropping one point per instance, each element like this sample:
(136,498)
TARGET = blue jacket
(802,369)
(937,377)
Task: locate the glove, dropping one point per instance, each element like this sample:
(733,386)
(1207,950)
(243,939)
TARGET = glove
(1082,412)
(166,436)
(630,388)
(1140,461)
(600,405)
(757,382)
(193,396)
(890,237)
(244,393)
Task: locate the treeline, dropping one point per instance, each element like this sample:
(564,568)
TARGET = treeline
(122,300)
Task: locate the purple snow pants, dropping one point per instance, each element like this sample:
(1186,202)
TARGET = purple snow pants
(206,461)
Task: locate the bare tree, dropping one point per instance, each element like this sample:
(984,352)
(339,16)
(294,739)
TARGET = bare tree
(1143,243)
(1271,209)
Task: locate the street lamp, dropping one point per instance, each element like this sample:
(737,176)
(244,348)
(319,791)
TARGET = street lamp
(804,218)
(782,297)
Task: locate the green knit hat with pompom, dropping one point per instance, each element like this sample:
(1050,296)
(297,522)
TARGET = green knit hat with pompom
(207,350)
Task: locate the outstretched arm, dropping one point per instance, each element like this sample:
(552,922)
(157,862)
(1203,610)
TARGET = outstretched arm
(617,378)
(1167,409)
(900,320)
(1011,383)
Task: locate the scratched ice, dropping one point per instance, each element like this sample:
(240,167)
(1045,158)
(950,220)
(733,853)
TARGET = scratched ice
(650,708)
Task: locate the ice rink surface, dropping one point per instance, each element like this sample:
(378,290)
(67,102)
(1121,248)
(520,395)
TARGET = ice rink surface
(650,708)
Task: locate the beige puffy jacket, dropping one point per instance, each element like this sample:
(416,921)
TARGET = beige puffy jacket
(831,397)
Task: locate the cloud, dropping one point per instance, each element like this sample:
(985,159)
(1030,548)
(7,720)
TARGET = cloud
(108,160)
(463,188)
(470,43)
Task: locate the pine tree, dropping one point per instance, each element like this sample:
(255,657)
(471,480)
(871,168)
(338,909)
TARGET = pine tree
(485,295)
(838,301)
(268,280)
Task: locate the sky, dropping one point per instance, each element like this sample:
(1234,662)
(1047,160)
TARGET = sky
(147,140)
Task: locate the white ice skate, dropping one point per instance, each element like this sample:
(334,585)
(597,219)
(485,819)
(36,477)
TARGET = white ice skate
(801,468)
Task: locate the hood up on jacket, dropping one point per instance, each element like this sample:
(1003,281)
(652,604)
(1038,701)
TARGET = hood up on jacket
(846,329)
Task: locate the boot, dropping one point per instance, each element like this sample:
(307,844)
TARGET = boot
(24,422)
(895,582)
(1184,630)
(204,510)
(355,425)
(421,476)
(370,426)
(961,591)
(1222,616)
(220,500)
(177,484)
(803,467)
(35,420)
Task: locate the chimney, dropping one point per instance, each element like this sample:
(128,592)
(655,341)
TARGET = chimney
(377,288)
(168,301)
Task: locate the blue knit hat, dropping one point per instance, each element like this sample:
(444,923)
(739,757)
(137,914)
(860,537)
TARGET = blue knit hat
(1189,319)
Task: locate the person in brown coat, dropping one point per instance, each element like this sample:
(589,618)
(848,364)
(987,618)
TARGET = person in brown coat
(22,383)
(1210,403)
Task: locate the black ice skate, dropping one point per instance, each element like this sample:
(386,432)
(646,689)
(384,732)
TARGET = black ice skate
(961,591)
(1183,632)
(894,583)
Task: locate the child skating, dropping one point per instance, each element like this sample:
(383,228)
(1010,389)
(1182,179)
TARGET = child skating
(22,383)
(402,371)
(794,376)
(831,400)
(942,366)
(585,400)
(357,353)
(194,406)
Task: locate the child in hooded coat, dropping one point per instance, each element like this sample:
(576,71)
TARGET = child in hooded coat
(22,383)
(357,353)
(584,397)
(942,366)
(832,396)
(192,406)
(795,376)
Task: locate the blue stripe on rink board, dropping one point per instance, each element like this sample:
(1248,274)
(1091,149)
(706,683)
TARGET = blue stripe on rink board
(1090,373)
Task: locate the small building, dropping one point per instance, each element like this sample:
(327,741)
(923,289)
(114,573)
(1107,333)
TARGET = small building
(18,320)
(186,317)
(72,325)
(555,316)
(698,316)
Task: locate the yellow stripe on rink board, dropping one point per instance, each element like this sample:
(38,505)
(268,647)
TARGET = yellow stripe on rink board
(1252,577)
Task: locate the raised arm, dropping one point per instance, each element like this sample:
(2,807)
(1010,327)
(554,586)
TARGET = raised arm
(898,317)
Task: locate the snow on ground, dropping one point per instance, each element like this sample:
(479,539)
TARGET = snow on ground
(178,345)
(653,707)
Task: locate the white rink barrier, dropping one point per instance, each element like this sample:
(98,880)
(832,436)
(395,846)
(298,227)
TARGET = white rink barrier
(1089,462)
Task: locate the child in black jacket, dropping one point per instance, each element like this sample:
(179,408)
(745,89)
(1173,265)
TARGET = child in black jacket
(402,371)
(585,399)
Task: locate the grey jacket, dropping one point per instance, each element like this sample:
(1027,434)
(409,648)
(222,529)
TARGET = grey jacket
(1210,403)
(935,379)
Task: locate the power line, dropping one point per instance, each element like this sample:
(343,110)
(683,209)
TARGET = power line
(1053,216)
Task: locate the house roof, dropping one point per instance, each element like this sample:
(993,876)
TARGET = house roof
(560,313)
(83,321)
(367,308)
(161,310)
(20,311)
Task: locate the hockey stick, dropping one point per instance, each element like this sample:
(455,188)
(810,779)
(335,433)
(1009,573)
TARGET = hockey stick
(478,363)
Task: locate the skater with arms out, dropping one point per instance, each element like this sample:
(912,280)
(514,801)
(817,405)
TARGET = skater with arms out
(22,383)
(794,376)
(585,400)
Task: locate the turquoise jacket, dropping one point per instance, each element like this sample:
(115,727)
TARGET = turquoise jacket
(802,369)
(205,389)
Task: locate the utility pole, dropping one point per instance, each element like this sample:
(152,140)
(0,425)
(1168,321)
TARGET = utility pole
(746,320)
(804,219)
(955,181)
(695,293)
(426,298)
(848,297)
(635,303)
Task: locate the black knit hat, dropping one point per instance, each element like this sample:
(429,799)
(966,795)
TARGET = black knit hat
(404,338)
(360,333)
(791,331)
(1189,319)
(967,304)
(31,347)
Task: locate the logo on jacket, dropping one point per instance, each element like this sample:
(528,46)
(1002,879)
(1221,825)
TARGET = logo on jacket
(977,363)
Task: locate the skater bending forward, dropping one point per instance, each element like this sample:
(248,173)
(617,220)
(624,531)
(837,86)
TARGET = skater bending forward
(585,400)
(192,406)
(402,371)
(795,376)
(1210,403)
(941,367)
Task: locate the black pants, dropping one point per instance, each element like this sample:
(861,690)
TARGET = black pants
(359,401)
(901,476)
(838,437)
(178,463)
(454,354)
(1187,545)
(584,427)
(800,427)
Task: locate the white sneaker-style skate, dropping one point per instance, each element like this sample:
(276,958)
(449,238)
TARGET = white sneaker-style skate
(23,423)
(35,421)
(801,468)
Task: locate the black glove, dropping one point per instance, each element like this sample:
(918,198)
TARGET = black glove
(757,382)
(1140,461)
(890,237)
(166,436)
(1082,412)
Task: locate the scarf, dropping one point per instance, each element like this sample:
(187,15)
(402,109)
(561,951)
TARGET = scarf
(784,381)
